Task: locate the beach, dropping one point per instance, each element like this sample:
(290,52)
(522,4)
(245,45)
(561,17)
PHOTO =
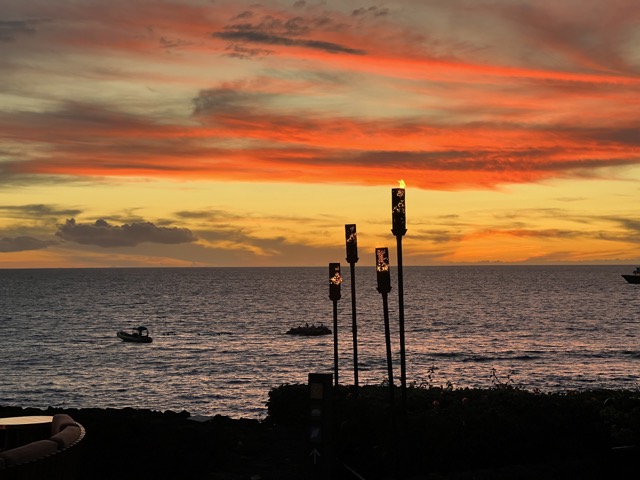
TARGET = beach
(493,433)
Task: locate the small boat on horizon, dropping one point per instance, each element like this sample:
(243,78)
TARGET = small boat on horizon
(310,330)
(634,277)
(137,335)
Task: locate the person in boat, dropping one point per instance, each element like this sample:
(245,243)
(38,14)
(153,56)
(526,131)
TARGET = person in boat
(137,332)
(636,271)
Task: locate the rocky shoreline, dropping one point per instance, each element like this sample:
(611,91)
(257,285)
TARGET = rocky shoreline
(444,434)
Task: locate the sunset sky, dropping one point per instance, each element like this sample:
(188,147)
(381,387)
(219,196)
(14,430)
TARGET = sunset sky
(231,133)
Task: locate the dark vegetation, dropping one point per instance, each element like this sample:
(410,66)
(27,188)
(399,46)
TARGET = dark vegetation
(495,433)
(502,432)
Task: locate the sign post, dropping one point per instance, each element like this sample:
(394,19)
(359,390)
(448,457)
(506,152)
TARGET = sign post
(320,422)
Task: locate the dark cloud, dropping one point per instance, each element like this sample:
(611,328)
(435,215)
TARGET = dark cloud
(103,234)
(631,228)
(223,101)
(244,15)
(438,236)
(22,244)
(173,42)
(10,29)
(243,35)
(211,215)
(375,11)
(287,32)
(575,37)
(37,211)
(238,51)
(624,136)
(12,175)
(494,161)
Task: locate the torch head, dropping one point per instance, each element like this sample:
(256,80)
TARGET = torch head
(398,212)
(351,238)
(382,270)
(335,279)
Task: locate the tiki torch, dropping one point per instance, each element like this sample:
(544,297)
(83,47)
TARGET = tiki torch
(335,279)
(384,287)
(351,239)
(399,228)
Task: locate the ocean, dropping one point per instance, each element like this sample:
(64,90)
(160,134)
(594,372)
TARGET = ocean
(220,341)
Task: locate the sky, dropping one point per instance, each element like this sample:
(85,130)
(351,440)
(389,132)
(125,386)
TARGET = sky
(232,133)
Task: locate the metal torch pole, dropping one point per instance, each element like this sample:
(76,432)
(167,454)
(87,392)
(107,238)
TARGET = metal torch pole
(354,326)
(387,338)
(399,228)
(351,239)
(335,341)
(384,287)
(403,360)
(335,279)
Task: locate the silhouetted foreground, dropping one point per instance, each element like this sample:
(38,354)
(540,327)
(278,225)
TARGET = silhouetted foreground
(497,433)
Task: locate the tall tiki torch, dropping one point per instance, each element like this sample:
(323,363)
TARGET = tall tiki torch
(335,279)
(351,238)
(384,287)
(399,228)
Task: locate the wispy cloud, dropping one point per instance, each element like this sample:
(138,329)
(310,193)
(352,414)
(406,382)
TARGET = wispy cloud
(37,211)
(11,29)
(283,29)
(454,114)
(22,244)
(454,96)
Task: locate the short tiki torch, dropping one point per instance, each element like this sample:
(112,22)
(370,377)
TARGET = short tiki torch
(335,279)
(384,287)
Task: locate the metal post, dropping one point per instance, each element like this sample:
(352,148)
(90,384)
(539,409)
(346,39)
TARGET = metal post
(335,341)
(321,426)
(384,287)
(398,217)
(403,361)
(387,338)
(335,279)
(352,257)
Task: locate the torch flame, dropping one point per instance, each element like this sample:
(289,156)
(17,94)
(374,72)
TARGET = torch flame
(401,183)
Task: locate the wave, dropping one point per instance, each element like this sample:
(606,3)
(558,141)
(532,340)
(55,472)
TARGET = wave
(605,354)
(500,358)
(447,354)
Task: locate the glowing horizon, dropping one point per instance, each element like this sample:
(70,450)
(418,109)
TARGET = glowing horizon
(190,133)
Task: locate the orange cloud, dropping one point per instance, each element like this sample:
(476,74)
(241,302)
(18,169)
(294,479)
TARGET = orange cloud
(448,113)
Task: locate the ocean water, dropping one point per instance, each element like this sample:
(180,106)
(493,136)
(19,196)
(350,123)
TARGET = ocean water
(220,338)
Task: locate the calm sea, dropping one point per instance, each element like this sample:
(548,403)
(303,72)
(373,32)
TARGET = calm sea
(220,338)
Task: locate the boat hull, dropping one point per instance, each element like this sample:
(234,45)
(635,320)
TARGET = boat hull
(310,331)
(632,278)
(128,337)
